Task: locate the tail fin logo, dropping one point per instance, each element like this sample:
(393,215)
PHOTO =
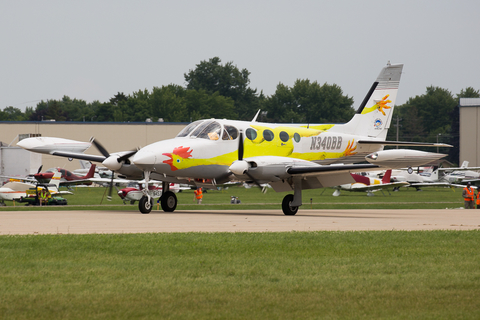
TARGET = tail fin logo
(381,106)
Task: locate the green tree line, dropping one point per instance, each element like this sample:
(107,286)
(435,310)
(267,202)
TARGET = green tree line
(216,90)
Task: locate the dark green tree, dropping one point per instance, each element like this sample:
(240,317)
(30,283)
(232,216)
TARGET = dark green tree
(468,92)
(309,102)
(228,81)
(434,108)
(169,103)
(54,111)
(12,114)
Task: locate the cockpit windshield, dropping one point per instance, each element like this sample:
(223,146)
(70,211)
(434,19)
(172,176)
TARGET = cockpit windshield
(209,129)
(186,131)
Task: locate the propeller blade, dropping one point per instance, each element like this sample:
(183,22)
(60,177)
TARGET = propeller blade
(127,155)
(100,148)
(240,146)
(40,169)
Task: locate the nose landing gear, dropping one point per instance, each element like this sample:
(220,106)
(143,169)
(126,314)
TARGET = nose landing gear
(168,200)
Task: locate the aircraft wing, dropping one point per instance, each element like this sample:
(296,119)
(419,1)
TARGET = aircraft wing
(472,181)
(65,183)
(80,156)
(63,192)
(432,184)
(20,179)
(374,187)
(403,143)
(313,177)
(108,180)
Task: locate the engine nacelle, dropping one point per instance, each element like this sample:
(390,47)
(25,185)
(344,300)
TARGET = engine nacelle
(401,158)
(264,168)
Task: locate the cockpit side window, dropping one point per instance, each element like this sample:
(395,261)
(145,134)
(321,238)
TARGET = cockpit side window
(229,133)
(186,131)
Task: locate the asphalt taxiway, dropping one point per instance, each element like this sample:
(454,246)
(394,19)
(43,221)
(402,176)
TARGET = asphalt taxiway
(91,222)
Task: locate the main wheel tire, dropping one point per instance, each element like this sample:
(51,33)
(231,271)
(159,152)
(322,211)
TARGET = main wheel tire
(168,201)
(144,205)
(288,210)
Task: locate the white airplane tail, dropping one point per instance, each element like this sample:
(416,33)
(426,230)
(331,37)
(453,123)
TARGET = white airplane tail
(374,115)
(56,179)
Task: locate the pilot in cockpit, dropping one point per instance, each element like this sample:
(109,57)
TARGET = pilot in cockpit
(213,135)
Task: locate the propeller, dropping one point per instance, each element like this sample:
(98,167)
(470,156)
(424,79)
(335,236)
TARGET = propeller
(240,146)
(240,167)
(40,169)
(112,162)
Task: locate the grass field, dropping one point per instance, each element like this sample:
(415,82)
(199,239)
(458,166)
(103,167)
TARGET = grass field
(292,275)
(289,275)
(406,198)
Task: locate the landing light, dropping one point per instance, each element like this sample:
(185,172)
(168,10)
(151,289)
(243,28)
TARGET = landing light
(373,156)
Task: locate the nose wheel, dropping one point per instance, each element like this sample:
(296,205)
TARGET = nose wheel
(145,204)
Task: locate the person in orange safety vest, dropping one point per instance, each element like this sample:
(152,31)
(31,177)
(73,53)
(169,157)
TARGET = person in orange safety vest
(468,195)
(198,195)
(478,199)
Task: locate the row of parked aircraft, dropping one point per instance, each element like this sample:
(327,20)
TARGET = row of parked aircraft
(288,157)
(17,190)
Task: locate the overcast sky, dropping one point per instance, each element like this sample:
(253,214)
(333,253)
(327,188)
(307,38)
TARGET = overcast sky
(91,50)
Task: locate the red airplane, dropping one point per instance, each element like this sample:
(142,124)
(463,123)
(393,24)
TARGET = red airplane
(367,184)
(67,178)
(135,193)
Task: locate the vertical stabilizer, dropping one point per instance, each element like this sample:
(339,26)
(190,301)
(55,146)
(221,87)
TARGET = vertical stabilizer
(91,172)
(56,179)
(387,176)
(374,115)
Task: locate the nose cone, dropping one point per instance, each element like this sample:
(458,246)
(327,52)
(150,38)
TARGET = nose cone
(30,143)
(144,159)
(112,163)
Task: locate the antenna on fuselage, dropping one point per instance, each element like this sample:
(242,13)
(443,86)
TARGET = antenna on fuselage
(256,116)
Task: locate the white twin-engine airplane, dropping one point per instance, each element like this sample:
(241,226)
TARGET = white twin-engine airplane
(288,157)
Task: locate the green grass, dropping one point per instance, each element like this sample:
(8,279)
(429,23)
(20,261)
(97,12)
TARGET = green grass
(292,275)
(86,198)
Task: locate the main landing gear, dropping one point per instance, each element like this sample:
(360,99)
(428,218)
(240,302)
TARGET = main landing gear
(168,201)
(287,207)
(291,202)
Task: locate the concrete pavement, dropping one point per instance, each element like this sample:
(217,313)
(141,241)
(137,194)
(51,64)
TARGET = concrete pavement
(90,222)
